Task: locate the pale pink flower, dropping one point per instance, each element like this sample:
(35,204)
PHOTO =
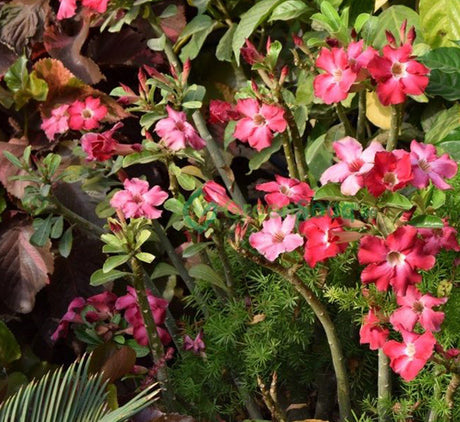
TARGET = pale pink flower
(259,123)
(426,166)
(67,9)
(409,357)
(137,200)
(86,115)
(354,164)
(334,85)
(276,237)
(372,332)
(58,122)
(177,133)
(417,307)
(285,191)
(359,58)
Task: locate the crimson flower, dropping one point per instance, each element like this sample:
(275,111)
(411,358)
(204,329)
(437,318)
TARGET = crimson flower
(409,357)
(395,260)
(353,166)
(359,58)
(426,166)
(259,123)
(372,331)
(285,191)
(397,74)
(72,315)
(437,239)
(417,307)
(137,200)
(323,239)
(221,112)
(276,237)
(392,171)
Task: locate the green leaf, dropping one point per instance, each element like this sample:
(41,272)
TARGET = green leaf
(224,48)
(304,94)
(250,20)
(37,87)
(318,156)
(148,119)
(445,72)
(289,9)
(197,24)
(17,75)
(206,273)
(394,200)
(452,148)
(192,250)
(443,124)
(142,157)
(440,21)
(157,44)
(360,21)
(58,228)
(12,159)
(193,47)
(273,54)
(228,133)
(42,231)
(331,192)
(186,181)
(65,244)
(9,347)
(169,12)
(192,105)
(113,262)
(142,237)
(174,205)
(99,277)
(141,351)
(145,257)
(427,222)
(391,20)
(52,162)
(264,155)
(163,270)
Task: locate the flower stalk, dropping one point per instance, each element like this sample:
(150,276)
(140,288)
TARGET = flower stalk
(396,120)
(362,104)
(349,131)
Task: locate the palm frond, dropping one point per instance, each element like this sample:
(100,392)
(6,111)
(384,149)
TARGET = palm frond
(71,395)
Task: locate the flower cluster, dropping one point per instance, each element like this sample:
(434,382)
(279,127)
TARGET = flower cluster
(68,8)
(379,170)
(395,72)
(80,115)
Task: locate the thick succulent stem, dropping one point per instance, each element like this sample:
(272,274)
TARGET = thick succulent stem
(396,120)
(361,132)
(384,386)
(349,131)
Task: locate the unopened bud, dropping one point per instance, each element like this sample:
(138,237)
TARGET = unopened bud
(283,75)
(186,71)
(298,41)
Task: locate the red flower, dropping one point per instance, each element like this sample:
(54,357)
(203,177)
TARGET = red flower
(409,357)
(437,239)
(103,304)
(322,238)
(372,332)
(391,171)
(334,85)
(285,191)
(221,112)
(417,307)
(72,315)
(398,75)
(250,54)
(394,260)
(213,192)
(259,123)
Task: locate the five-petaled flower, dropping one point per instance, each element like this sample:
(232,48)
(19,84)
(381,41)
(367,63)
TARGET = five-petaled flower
(373,332)
(86,115)
(58,122)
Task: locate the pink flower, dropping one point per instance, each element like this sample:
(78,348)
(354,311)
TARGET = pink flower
(426,166)
(372,331)
(415,307)
(395,260)
(250,54)
(322,238)
(133,315)
(137,200)
(102,146)
(359,59)
(354,164)
(67,9)
(221,112)
(392,171)
(58,122)
(196,345)
(437,239)
(259,123)
(276,237)
(103,304)
(334,85)
(409,357)
(97,5)
(72,315)
(285,191)
(177,133)
(86,115)
(213,192)
(398,75)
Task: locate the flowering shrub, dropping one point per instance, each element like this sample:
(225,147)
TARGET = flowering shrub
(283,210)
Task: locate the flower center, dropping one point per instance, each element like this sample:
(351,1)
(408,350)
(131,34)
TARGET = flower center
(418,307)
(395,258)
(337,74)
(138,199)
(285,190)
(398,70)
(410,350)
(259,120)
(355,165)
(180,126)
(390,179)
(423,164)
(87,114)
(278,237)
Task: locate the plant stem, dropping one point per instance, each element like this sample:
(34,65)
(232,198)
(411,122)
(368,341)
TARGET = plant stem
(299,148)
(289,157)
(396,119)
(338,360)
(219,242)
(361,132)
(155,345)
(450,392)
(384,386)
(349,131)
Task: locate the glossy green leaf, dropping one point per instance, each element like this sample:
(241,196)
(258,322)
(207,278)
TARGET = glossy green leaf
(42,231)
(289,9)
(331,192)
(264,155)
(394,200)
(193,47)
(427,222)
(65,244)
(99,277)
(163,270)
(157,44)
(224,48)
(443,124)
(192,250)
(145,257)
(58,228)
(113,262)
